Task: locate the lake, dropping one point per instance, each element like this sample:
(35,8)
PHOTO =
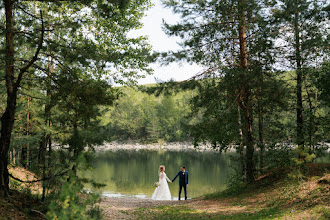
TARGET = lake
(133,173)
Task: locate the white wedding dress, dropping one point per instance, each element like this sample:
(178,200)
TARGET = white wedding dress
(162,192)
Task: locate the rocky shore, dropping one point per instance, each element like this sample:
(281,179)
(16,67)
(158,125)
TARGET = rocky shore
(177,146)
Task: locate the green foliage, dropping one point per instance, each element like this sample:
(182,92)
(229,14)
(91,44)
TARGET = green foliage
(72,203)
(276,31)
(279,155)
(323,83)
(142,117)
(83,47)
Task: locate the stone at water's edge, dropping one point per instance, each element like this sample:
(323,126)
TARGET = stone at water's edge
(177,146)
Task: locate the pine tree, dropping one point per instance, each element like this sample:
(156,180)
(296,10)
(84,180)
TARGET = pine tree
(223,36)
(89,36)
(304,32)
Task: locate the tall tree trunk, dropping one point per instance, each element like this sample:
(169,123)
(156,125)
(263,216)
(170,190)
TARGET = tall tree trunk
(261,124)
(44,182)
(314,126)
(7,119)
(311,116)
(246,105)
(241,145)
(49,152)
(14,156)
(27,132)
(47,137)
(12,85)
(299,107)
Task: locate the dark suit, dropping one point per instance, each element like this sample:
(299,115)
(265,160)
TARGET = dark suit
(183,181)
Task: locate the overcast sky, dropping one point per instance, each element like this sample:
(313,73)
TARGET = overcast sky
(161,42)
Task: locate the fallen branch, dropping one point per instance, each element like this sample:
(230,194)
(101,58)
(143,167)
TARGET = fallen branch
(39,180)
(32,210)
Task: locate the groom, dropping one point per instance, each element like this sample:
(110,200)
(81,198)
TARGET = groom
(183,181)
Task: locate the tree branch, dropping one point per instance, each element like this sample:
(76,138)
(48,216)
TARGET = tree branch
(34,181)
(35,57)
(26,12)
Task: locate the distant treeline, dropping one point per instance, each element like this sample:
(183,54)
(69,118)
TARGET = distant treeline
(199,111)
(142,117)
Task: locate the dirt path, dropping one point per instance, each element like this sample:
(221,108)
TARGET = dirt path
(122,208)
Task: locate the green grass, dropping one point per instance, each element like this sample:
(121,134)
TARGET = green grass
(234,190)
(184,212)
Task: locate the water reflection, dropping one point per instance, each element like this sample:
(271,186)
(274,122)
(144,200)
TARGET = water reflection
(134,172)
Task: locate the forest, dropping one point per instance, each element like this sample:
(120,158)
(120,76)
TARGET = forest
(69,73)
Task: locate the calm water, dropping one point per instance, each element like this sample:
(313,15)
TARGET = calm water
(133,173)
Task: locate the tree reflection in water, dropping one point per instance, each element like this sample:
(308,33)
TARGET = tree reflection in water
(130,172)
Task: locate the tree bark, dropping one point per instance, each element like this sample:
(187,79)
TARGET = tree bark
(299,107)
(261,124)
(314,125)
(14,156)
(245,104)
(27,134)
(7,119)
(241,145)
(47,137)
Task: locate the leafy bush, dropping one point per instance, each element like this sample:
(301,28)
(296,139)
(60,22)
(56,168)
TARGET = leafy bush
(73,203)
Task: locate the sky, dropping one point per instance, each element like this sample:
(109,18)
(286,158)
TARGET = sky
(162,43)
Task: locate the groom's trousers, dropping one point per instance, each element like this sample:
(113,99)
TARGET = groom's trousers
(184,186)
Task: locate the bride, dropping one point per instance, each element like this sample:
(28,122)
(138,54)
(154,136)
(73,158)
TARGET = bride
(162,192)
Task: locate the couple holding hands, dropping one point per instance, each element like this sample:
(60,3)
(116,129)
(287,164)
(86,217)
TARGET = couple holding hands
(162,192)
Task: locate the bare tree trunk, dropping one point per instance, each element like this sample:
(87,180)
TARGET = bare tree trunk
(261,124)
(49,152)
(311,116)
(47,137)
(44,182)
(241,145)
(314,126)
(14,156)
(299,107)
(27,133)
(245,104)
(7,119)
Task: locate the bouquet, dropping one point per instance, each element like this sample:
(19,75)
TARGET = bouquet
(156,184)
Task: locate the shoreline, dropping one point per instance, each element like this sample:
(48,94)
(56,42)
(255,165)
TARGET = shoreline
(175,146)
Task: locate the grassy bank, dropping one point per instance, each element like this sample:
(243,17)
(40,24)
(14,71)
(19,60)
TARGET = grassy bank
(283,194)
